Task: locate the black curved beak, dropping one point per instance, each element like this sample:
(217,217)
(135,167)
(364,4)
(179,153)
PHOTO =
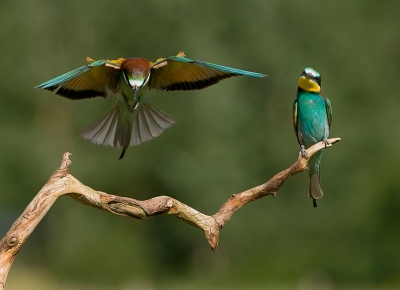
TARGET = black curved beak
(135,90)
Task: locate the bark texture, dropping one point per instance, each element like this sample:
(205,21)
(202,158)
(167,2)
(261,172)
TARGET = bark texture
(62,182)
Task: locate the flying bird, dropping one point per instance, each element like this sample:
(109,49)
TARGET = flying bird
(312,117)
(133,120)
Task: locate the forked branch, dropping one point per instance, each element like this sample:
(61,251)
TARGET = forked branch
(63,183)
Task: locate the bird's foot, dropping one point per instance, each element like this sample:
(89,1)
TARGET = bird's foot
(326,142)
(303,151)
(135,106)
(137,102)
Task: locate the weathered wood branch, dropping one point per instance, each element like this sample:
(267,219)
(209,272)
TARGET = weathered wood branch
(63,183)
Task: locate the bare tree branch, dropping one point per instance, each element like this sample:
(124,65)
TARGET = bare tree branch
(63,183)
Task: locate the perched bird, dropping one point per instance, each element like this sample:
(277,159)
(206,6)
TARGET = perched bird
(133,120)
(312,117)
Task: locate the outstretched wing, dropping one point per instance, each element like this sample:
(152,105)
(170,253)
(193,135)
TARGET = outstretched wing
(177,73)
(96,79)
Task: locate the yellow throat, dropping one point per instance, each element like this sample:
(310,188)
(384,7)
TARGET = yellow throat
(308,85)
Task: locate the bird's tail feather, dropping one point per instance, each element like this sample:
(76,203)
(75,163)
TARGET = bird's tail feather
(144,125)
(315,191)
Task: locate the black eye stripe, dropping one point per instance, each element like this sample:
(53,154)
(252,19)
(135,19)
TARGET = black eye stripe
(314,78)
(310,76)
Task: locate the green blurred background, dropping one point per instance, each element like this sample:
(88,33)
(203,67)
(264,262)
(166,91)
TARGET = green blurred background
(231,137)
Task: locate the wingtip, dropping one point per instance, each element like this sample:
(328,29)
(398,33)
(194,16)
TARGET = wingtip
(260,75)
(42,86)
(252,74)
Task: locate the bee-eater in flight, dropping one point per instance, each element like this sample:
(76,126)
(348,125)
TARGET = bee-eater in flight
(133,120)
(312,117)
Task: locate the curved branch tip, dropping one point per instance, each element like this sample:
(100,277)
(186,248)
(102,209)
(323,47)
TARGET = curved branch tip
(65,162)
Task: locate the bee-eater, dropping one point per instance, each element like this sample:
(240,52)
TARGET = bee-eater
(133,120)
(312,117)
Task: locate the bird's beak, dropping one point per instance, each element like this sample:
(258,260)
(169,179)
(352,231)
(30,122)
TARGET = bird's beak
(135,90)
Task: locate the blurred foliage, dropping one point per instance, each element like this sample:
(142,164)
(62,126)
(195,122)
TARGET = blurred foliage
(231,137)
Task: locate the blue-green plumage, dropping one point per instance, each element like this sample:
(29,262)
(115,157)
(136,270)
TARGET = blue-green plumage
(312,115)
(219,67)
